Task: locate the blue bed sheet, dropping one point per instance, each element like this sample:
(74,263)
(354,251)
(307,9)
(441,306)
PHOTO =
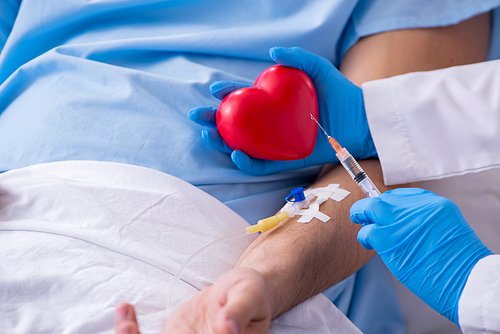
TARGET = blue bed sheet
(113,80)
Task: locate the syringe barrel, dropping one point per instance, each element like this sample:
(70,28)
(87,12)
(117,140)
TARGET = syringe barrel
(368,187)
(357,173)
(350,164)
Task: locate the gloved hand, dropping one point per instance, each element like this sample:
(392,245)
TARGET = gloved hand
(341,113)
(425,242)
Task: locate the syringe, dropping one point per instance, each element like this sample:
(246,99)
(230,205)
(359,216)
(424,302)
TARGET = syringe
(351,166)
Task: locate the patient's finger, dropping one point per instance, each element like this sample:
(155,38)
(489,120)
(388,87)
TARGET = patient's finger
(125,319)
(244,312)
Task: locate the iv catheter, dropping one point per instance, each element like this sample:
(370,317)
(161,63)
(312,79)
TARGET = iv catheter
(351,166)
(292,207)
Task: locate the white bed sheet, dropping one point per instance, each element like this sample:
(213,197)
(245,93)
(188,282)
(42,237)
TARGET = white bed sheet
(76,238)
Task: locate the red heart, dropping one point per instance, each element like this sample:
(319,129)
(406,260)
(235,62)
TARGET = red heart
(271,120)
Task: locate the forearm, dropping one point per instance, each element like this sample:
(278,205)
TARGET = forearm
(301,260)
(402,51)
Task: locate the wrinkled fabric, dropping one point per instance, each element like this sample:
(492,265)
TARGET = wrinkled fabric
(77,238)
(479,305)
(114,80)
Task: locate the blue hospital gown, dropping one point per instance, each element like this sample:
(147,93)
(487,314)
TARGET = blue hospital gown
(113,80)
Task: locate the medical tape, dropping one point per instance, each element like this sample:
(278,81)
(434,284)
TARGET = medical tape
(332,191)
(308,215)
(339,194)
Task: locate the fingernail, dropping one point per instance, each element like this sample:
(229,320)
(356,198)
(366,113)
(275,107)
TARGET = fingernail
(219,86)
(357,217)
(121,313)
(275,51)
(205,135)
(234,326)
(354,217)
(126,330)
(241,160)
(192,114)
(272,53)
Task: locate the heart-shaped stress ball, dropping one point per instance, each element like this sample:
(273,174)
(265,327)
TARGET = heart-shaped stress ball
(271,120)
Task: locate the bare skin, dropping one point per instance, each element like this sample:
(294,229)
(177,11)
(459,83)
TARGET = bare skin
(308,258)
(396,52)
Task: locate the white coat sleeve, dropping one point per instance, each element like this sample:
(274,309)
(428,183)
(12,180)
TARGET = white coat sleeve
(479,305)
(436,124)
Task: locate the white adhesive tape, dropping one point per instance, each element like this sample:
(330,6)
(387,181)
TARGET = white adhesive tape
(332,191)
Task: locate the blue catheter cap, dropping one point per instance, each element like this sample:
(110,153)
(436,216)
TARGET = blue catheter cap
(297,194)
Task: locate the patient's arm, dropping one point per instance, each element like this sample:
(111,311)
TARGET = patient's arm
(301,260)
(306,259)
(396,52)
(283,267)
(295,260)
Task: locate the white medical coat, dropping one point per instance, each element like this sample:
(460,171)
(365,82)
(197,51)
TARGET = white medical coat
(446,124)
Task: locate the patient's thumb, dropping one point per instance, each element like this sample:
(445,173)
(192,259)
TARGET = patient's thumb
(224,324)
(245,307)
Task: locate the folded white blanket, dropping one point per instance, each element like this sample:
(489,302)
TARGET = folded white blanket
(77,238)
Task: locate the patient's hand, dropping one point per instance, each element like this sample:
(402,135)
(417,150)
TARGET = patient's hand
(238,302)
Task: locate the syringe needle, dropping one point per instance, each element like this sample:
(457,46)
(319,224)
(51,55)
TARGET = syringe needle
(333,143)
(312,117)
(351,166)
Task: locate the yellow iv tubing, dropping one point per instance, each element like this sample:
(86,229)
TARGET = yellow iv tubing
(288,211)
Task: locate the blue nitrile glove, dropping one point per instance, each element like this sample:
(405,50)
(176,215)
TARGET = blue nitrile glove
(425,242)
(341,113)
